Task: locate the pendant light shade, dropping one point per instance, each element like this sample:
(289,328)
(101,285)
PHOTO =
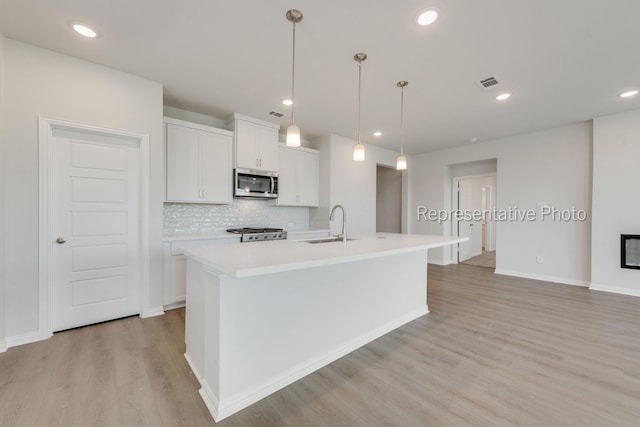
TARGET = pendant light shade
(293,136)
(358,151)
(401,161)
(293,131)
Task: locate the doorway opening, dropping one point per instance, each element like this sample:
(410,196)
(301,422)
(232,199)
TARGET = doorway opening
(388,200)
(474,196)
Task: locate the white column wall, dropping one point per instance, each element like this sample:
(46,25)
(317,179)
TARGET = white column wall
(616,199)
(3,344)
(39,82)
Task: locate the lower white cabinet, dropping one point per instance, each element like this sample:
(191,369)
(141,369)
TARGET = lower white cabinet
(178,288)
(175,267)
(298,176)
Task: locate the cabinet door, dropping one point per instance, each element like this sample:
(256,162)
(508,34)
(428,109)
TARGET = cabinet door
(246,151)
(287,188)
(308,165)
(215,168)
(182,164)
(178,278)
(267,148)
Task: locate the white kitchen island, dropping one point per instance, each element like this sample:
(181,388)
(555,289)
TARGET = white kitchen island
(262,315)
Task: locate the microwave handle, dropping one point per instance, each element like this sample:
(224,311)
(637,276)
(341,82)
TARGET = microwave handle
(273,185)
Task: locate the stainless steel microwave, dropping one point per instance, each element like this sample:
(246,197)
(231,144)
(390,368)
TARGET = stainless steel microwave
(255,184)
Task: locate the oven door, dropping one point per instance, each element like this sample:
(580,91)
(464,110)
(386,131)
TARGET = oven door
(256,184)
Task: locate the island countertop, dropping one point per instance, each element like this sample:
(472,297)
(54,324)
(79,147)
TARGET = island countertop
(250,259)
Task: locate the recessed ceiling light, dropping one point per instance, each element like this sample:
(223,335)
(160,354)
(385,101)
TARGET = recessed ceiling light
(427,17)
(377,133)
(83,30)
(628,94)
(287,102)
(503,96)
(473,140)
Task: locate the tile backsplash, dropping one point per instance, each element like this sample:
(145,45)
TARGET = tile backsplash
(199,218)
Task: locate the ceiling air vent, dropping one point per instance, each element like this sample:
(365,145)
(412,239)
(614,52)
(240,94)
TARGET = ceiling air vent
(489,82)
(276,114)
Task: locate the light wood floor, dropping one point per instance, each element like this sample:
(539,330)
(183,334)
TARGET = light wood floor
(486,259)
(494,351)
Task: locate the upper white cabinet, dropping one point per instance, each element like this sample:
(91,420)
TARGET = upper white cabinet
(298,176)
(256,143)
(199,163)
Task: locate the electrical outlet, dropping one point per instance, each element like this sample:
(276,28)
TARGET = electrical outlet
(539,259)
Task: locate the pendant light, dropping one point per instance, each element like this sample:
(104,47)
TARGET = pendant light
(358,151)
(293,131)
(401,161)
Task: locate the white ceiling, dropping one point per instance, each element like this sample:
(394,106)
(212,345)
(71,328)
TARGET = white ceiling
(564,60)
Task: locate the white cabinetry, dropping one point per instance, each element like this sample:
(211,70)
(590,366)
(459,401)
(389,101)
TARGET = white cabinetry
(298,176)
(199,165)
(175,267)
(256,143)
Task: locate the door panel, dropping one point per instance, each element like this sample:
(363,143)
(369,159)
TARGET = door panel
(98,290)
(465,228)
(95,211)
(98,157)
(111,223)
(470,200)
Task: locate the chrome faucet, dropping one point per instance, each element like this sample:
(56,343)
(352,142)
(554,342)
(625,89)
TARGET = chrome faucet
(342,236)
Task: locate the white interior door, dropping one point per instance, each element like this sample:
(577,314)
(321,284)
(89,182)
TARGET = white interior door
(95,225)
(469,200)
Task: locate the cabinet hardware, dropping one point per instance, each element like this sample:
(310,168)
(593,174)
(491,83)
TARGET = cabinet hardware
(60,240)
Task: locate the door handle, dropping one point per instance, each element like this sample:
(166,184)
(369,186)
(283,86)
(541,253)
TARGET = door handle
(60,241)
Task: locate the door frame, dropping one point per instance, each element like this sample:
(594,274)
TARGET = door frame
(455,225)
(46,236)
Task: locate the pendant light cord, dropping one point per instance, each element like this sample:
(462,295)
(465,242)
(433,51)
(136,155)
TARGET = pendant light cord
(359,96)
(293,77)
(402,120)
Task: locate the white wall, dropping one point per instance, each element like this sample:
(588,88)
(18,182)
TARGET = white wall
(3,345)
(551,166)
(41,82)
(349,183)
(616,199)
(193,117)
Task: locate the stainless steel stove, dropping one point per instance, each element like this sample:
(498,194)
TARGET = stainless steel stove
(255,234)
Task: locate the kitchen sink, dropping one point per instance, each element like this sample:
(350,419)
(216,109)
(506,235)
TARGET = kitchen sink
(325,240)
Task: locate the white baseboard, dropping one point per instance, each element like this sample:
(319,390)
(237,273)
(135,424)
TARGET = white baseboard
(174,306)
(540,277)
(152,312)
(220,410)
(193,369)
(22,339)
(437,262)
(615,290)
(3,346)
(211,401)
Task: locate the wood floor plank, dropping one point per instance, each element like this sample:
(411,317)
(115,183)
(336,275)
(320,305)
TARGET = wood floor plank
(494,351)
